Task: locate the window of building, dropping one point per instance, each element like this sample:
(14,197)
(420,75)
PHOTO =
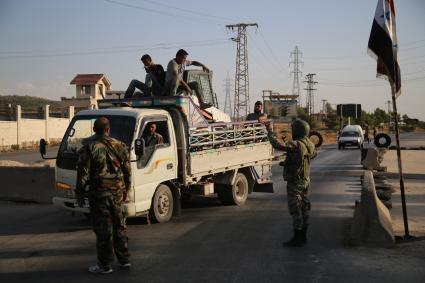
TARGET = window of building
(86,89)
(100,88)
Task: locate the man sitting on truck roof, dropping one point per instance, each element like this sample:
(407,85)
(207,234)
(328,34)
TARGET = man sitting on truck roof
(154,81)
(174,83)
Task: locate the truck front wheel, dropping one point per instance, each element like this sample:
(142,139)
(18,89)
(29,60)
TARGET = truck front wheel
(162,205)
(235,194)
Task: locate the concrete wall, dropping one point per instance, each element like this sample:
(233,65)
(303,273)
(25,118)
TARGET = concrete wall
(27,132)
(27,184)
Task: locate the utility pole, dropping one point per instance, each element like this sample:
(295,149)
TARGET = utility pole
(241,103)
(227,101)
(324,106)
(296,72)
(324,110)
(309,97)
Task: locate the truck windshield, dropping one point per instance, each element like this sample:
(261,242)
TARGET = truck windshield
(81,129)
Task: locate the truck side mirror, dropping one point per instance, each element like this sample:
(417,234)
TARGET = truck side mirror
(139,147)
(42,147)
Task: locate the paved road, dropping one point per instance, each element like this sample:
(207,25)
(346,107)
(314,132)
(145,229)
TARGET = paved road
(211,242)
(28,156)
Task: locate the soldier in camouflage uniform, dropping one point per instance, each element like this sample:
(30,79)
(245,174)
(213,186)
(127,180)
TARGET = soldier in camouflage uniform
(104,165)
(296,173)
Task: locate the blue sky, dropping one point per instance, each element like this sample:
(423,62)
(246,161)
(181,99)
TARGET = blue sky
(45,43)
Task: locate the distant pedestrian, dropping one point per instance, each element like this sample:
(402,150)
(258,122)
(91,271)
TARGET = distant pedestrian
(375,131)
(296,172)
(104,165)
(366,133)
(258,110)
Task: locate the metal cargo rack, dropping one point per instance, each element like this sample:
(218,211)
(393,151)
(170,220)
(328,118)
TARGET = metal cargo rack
(227,135)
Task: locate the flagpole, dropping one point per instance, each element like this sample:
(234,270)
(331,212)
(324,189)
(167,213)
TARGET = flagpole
(400,169)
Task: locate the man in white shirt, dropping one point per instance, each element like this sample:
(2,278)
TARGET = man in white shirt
(174,82)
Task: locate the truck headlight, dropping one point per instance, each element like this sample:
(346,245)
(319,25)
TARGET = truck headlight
(62,186)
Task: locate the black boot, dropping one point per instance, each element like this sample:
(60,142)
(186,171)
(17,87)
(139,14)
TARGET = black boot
(296,241)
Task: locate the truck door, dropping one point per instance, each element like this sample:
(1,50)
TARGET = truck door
(159,163)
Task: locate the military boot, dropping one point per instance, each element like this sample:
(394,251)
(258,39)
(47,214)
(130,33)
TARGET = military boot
(297,240)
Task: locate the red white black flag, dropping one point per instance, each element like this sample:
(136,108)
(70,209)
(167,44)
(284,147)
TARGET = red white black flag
(383,44)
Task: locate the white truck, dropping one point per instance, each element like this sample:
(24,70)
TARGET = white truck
(197,157)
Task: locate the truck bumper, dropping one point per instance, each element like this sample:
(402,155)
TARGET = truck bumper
(71,205)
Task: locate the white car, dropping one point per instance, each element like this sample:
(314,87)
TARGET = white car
(351,135)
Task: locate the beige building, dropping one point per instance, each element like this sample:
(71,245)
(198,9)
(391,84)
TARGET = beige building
(88,89)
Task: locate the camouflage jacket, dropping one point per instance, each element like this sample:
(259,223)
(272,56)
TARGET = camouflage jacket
(298,156)
(104,165)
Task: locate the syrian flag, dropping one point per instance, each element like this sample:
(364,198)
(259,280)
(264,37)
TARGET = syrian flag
(383,44)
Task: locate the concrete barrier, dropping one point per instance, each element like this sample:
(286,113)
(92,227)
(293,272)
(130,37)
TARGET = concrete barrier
(27,184)
(372,223)
(371,162)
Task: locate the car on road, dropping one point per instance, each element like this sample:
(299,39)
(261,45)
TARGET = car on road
(351,135)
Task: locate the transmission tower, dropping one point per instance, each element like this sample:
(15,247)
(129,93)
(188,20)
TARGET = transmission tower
(296,72)
(309,97)
(241,104)
(227,101)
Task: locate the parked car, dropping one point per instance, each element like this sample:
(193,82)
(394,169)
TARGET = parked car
(351,135)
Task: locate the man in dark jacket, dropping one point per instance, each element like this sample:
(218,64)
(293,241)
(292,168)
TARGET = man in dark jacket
(154,80)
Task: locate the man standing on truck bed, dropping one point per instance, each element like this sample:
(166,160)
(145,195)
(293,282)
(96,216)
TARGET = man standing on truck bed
(154,80)
(174,82)
(104,165)
(258,108)
(296,173)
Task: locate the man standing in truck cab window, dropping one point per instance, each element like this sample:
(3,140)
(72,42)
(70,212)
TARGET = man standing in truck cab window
(154,80)
(174,82)
(152,138)
(258,108)
(104,165)
(296,172)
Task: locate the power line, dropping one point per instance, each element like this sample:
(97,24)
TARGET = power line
(189,11)
(124,49)
(168,14)
(269,48)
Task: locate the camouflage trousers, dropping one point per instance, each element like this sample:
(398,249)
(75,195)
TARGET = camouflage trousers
(108,220)
(298,204)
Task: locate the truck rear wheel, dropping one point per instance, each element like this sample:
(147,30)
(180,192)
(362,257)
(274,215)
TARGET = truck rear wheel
(235,194)
(162,205)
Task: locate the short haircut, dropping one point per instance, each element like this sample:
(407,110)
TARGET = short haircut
(262,115)
(258,103)
(101,125)
(181,52)
(146,57)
